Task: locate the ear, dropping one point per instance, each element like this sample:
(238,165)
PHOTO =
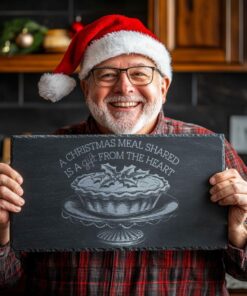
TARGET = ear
(165,83)
(84,87)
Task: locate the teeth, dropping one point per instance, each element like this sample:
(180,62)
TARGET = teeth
(125,104)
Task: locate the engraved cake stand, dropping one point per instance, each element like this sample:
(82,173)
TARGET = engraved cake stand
(120,231)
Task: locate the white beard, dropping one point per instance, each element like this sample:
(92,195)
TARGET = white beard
(122,123)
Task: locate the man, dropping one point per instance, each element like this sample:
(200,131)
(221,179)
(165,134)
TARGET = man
(125,73)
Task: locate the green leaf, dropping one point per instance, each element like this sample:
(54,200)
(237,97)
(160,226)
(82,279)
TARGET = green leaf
(10,30)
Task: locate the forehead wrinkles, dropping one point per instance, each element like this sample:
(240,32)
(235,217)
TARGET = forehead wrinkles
(125,61)
(123,66)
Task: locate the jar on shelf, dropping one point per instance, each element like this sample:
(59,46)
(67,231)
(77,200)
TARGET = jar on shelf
(56,40)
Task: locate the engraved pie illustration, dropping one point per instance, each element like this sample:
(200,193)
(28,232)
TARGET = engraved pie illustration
(129,191)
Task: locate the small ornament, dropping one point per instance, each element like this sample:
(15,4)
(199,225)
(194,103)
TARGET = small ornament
(76,26)
(6,48)
(24,39)
(21,36)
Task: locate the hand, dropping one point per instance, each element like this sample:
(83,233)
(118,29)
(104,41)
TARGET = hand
(10,198)
(230,189)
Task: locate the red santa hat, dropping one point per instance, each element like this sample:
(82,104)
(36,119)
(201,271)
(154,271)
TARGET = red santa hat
(107,37)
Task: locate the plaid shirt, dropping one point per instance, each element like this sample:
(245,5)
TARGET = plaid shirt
(122,273)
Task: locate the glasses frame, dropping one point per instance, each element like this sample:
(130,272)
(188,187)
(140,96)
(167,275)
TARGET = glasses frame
(120,70)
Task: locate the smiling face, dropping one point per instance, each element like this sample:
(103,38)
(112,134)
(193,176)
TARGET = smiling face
(125,108)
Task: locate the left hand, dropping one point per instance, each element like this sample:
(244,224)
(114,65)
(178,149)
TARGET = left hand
(230,189)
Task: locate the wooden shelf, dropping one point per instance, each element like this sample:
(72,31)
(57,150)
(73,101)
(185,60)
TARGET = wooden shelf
(216,67)
(38,63)
(33,63)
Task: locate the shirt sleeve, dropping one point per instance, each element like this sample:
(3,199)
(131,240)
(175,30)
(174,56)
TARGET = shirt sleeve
(236,259)
(10,267)
(236,262)
(234,161)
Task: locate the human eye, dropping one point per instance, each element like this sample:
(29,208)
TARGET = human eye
(106,74)
(140,73)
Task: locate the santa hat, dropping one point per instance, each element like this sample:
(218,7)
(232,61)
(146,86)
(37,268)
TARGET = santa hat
(107,37)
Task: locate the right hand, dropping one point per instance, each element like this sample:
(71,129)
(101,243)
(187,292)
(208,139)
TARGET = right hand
(10,198)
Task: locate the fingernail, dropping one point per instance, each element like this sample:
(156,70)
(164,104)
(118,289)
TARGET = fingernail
(19,179)
(212,180)
(213,197)
(20,191)
(21,202)
(18,209)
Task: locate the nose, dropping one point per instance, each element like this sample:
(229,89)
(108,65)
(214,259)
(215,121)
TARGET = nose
(123,86)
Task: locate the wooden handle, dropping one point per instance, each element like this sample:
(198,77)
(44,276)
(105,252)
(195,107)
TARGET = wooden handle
(6,150)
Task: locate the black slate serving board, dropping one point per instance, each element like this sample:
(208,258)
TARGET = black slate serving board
(105,192)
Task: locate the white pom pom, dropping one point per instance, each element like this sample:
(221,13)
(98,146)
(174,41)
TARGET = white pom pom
(53,87)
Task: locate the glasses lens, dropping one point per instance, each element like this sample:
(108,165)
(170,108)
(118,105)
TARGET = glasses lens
(140,75)
(105,76)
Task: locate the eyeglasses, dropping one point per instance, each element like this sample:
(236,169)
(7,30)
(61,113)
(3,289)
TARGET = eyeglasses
(139,75)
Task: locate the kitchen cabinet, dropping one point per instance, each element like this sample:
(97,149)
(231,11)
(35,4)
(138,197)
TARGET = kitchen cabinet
(201,34)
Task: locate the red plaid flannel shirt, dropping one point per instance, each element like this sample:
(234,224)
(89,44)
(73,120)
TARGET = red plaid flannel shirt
(122,273)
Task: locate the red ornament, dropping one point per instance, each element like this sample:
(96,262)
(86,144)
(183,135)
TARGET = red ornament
(76,26)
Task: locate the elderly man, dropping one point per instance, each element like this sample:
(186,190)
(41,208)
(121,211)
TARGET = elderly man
(125,73)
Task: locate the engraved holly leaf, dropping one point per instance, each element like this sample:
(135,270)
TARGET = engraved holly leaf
(129,182)
(109,176)
(109,169)
(141,174)
(98,177)
(127,171)
(107,181)
(128,176)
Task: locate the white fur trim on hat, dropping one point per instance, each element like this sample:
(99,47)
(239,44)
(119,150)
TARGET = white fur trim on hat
(53,87)
(126,42)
